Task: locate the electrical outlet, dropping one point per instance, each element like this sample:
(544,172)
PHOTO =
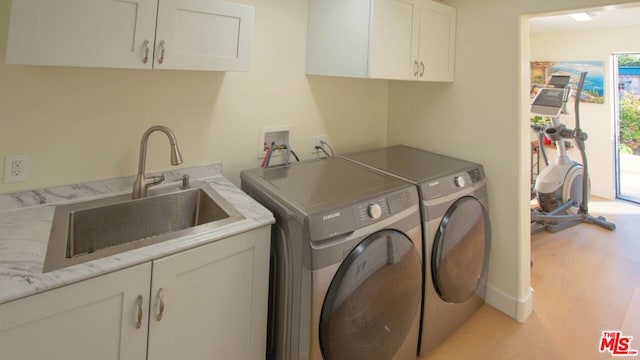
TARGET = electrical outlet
(316,141)
(16,168)
(279,135)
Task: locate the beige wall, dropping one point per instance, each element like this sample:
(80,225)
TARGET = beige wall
(596,119)
(80,124)
(83,124)
(481,117)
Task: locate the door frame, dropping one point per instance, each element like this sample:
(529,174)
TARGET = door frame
(616,124)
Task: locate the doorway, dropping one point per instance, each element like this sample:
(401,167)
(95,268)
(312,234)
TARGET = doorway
(627,125)
(612,31)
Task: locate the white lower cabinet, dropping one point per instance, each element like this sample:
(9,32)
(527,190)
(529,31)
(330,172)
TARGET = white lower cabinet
(204,303)
(93,319)
(211,302)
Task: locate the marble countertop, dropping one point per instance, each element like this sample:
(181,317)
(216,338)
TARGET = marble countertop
(26,217)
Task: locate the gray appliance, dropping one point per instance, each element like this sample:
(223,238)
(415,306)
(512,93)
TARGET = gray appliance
(346,261)
(456,230)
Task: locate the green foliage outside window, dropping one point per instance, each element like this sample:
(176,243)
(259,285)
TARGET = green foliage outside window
(629,60)
(629,123)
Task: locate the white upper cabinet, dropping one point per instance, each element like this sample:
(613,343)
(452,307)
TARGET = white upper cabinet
(437,42)
(135,34)
(385,39)
(393,45)
(103,33)
(203,35)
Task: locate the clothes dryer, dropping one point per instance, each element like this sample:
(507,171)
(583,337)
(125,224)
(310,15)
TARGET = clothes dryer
(456,232)
(346,261)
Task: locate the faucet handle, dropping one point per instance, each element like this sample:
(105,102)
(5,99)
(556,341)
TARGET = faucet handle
(155,180)
(185,181)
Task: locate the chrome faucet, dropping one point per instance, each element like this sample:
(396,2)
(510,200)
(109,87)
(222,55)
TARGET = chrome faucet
(142,183)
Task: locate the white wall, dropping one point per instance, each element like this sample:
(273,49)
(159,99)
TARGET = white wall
(596,119)
(481,117)
(81,124)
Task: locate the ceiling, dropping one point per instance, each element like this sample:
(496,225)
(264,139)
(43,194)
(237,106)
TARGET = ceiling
(609,16)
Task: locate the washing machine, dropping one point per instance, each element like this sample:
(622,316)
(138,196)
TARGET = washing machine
(456,233)
(346,261)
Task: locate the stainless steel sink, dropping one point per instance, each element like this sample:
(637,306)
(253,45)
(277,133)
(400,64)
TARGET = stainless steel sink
(93,229)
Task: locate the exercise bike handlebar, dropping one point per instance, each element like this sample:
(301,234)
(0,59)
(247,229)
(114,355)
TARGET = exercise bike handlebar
(559,132)
(581,136)
(576,104)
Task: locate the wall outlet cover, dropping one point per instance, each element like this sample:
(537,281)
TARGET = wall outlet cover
(316,141)
(16,168)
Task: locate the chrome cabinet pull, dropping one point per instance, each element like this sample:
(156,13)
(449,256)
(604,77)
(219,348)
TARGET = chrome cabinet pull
(146,52)
(140,313)
(415,68)
(421,68)
(160,302)
(161,60)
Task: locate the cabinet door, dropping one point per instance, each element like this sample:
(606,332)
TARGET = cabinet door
(338,38)
(100,33)
(203,35)
(212,301)
(393,48)
(437,41)
(93,319)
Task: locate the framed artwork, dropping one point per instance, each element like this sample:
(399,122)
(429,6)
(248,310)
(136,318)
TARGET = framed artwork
(593,89)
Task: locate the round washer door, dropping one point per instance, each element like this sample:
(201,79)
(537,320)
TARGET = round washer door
(459,249)
(372,300)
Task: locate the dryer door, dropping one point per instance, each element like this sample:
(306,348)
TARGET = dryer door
(372,300)
(459,250)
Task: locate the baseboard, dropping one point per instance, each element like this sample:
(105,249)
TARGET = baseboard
(518,309)
(525,306)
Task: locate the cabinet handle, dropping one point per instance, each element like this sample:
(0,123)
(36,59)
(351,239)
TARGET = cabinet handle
(140,313)
(146,52)
(160,302)
(415,68)
(161,60)
(421,68)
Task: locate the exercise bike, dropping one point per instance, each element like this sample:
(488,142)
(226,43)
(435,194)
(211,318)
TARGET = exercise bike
(562,189)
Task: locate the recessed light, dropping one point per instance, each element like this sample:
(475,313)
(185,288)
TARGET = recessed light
(581,16)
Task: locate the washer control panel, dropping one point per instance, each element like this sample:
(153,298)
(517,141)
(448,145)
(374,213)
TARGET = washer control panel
(452,183)
(328,224)
(370,211)
(381,208)
(459,181)
(374,211)
(476,174)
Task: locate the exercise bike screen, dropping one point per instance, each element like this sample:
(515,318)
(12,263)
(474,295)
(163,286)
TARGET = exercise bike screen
(549,97)
(548,102)
(559,81)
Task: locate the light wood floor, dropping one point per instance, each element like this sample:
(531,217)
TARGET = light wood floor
(586,280)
